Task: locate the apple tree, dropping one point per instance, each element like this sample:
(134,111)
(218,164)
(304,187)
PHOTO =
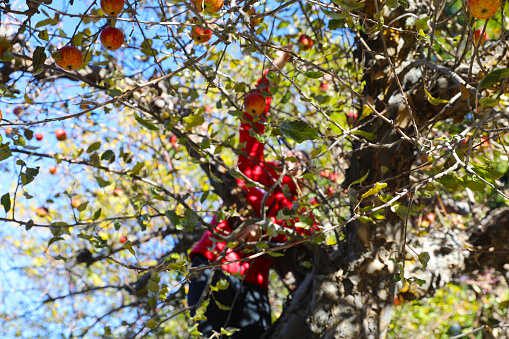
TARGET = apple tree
(118,144)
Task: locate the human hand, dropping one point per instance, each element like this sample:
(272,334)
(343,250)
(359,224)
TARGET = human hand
(252,233)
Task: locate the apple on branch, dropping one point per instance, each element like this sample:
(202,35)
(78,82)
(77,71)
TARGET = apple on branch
(53,170)
(60,134)
(41,211)
(123,239)
(305,42)
(324,85)
(209,6)
(483,9)
(112,38)
(255,103)
(477,36)
(112,7)
(118,192)
(351,117)
(173,140)
(75,202)
(201,35)
(38,136)
(70,58)
(19,111)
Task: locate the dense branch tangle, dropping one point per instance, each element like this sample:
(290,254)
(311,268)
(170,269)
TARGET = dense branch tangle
(378,70)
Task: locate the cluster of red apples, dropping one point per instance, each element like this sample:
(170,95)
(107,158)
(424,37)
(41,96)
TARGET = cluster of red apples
(112,38)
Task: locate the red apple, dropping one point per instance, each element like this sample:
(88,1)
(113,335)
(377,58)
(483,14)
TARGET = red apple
(330,191)
(19,111)
(334,177)
(8,130)
(41,211)
(201,35)
(112,7)
(431,217)
(209,6)
(208,109)
(118,192)
(324,86)
(75,202)
(351,117)
(173,140)
(123,239)
(325,173)
(60,134)
(53,170)
(112,38)
(477,36)
(483,9)
(255,103)
(305,42)
(485,141)
(38,136)
(70,58)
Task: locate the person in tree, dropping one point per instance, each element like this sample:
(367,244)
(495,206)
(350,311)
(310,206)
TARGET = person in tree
(245,303)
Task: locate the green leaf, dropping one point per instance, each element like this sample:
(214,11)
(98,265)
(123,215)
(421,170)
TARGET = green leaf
(221,285)
(137,168)
(29,224)
(128,245)
(151,324)
(94,147)
(313,75)
(493,77)
(28,100)
(422,23)
(359,181)
(364,134)
(77,39)
(374,190)
(299,131)
(108,155)
(489,102)
(424,258)
(117,225)
(97,214)
(5,152)
(449,182)
(392,3)
(174,218)
(114,92)
(193,120)
(39,58)
(145,123)
(286,214)
(82,207)
(44,35)
(102,183)
(6,202)
(403,3)
(222,307)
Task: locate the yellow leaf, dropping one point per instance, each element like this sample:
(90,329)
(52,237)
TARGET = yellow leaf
(435,101)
